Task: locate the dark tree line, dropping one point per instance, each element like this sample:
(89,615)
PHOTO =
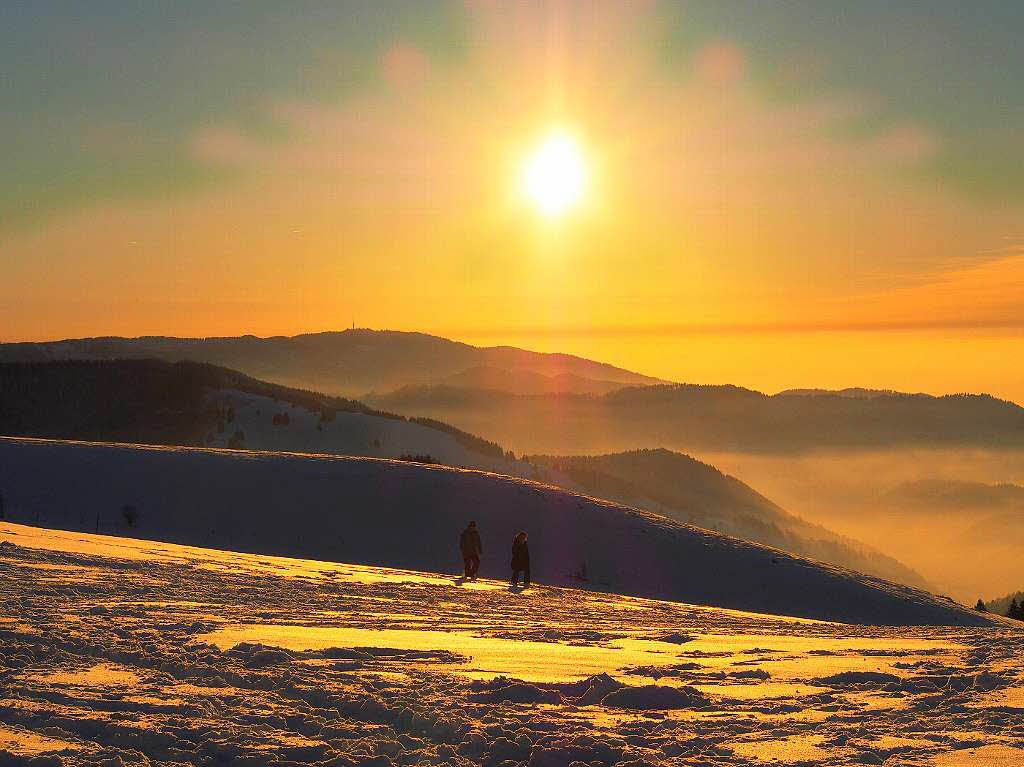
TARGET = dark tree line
(418,458)
(128,400)
(467,440)
(1016,610)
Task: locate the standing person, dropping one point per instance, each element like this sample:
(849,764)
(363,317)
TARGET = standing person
(469,544)
(520,559)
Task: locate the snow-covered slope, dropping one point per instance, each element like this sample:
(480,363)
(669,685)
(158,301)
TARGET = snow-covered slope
(127,653)
(668,484)
(371,511)
(374,436)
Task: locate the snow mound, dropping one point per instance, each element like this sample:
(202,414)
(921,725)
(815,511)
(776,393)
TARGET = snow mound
(675,638)
(856,678)
(517,692)
(655,697)
(399,514)
(596,688)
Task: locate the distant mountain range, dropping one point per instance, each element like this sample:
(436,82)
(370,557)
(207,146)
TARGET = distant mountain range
(353,362)
(930,495)
(198,404)
(716,418)
(853,392)
(524,381)
(987,517)
(562,404)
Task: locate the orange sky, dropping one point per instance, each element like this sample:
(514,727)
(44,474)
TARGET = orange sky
(727,235)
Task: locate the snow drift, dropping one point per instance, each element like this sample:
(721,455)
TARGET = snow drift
(380,512)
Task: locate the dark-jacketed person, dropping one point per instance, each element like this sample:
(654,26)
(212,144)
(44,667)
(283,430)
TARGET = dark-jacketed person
(469,544)
(520,559)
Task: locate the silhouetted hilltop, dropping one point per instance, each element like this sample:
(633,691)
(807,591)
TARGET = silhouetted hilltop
(853,392)
(727,418)
(349,362)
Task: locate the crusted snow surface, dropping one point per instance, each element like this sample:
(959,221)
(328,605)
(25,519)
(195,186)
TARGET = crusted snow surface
(117,651)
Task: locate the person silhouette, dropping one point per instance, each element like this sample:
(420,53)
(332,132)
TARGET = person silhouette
(520,559)
(469,544)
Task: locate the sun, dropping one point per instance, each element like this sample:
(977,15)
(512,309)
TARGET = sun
(555,174)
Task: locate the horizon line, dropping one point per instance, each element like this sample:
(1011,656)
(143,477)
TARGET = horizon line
(656,330)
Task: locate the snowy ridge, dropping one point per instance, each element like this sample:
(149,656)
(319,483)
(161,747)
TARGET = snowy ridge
(380,512)
(354,434)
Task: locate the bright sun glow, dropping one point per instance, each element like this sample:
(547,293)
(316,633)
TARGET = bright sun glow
(555,176)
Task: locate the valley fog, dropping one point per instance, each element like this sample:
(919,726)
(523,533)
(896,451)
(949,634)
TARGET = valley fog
(929,508)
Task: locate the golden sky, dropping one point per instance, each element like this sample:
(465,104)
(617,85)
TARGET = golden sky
(750,216)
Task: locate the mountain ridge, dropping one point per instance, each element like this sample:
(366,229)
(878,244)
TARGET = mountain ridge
(690,417)
(347,362)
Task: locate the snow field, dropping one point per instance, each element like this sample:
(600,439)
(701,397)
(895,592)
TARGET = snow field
(119,651)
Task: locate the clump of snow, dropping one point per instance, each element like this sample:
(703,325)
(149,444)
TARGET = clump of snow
(517,692)
(652,697)
(757,673)
(675,638)
(858,678)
